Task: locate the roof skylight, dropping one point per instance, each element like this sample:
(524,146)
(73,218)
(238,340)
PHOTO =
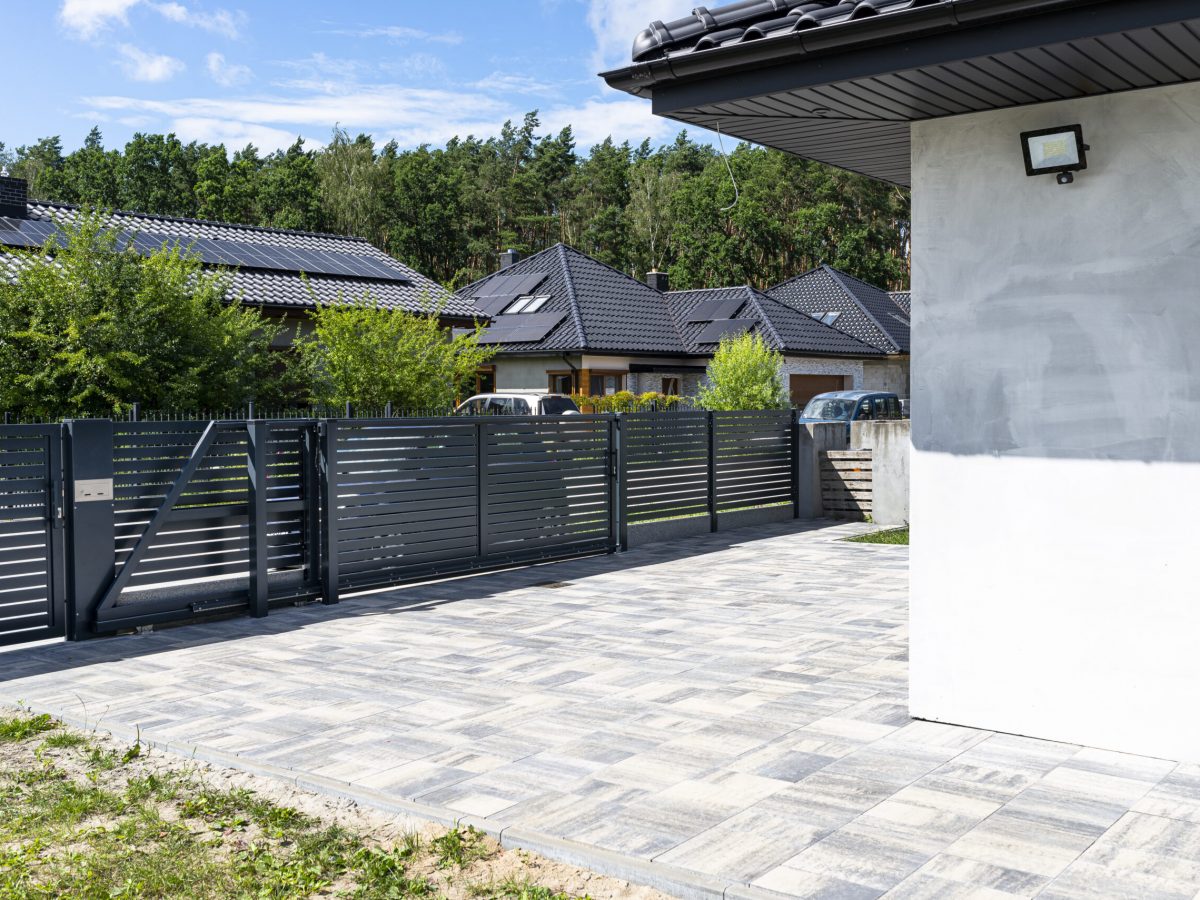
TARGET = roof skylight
(527,304)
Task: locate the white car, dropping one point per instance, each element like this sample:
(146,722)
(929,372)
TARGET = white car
(518,403)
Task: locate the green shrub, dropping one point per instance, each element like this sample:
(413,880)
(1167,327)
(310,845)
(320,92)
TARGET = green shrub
(744,374)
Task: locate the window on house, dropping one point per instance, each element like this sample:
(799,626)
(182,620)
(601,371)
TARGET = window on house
(670,386)
(485,381)
(828,318)
(608,384)
(528,304)
(561,383)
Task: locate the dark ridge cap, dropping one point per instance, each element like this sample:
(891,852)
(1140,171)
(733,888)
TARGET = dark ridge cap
(156,217)
(837,277)
(765,319)
(572,297)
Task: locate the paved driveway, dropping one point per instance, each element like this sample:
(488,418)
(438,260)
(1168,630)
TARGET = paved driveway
(719,716)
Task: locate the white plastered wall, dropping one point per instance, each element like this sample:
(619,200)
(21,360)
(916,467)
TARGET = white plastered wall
(1056,427)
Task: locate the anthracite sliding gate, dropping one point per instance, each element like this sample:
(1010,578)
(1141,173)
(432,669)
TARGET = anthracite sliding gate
(411,498)
(106,526)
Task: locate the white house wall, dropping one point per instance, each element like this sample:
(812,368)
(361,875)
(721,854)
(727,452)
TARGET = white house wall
(1056,426)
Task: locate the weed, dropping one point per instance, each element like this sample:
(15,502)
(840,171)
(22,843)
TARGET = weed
(514,889)
(21,727)
(65,740)
(460,846)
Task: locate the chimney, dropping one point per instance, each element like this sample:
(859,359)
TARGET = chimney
(509,258)
(14,194)
(660,281)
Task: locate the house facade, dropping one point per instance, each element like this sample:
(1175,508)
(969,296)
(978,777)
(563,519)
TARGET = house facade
(565,322)
(282,272)
(1051,150)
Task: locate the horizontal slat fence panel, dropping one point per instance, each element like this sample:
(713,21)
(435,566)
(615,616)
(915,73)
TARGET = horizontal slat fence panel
(847,482)
(665,465)
(753,459)
(406,499)
(547,485)
(28,479)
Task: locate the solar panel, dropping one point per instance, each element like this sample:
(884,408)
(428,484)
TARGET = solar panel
(711,310)
(214,252)
(501,290)
(713,332)
(521,329)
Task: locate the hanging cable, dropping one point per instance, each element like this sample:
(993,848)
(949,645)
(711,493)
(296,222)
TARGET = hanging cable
(737,194)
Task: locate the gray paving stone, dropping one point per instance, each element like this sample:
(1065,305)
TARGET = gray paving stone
(732,708)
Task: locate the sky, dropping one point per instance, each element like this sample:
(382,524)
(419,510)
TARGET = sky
(267,71)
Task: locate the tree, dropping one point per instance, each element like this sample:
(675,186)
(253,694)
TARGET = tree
(361,354)
(744,374)
(89,326)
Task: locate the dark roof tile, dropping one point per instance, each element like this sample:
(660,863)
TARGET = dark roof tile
(866,312)
(754,20)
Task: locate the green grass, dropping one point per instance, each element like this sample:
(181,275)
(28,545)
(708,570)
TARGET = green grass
(18,728)
(82,819)
(891,536)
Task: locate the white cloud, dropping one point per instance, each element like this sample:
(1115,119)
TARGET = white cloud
(409,115)
(87,18)
(236,135)
(515,83)
(221,21)
(625,119)
(615,23)
(225,73)
(403,33)
(142,66)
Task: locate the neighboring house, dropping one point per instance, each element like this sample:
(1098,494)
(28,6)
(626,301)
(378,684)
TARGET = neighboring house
(1051,147)
(852,306)
(568,323)
(817,357)
(266,263)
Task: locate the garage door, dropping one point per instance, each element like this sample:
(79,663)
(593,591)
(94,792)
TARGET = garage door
(805,387)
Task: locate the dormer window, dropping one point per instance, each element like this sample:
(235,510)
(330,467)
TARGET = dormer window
(527,304)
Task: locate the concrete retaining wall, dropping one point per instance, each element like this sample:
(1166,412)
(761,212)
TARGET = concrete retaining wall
(890,444)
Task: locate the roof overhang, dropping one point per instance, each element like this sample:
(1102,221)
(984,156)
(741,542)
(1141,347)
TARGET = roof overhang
(846,94)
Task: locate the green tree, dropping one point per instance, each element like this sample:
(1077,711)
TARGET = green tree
(89,326)
(361,354)
(744,374)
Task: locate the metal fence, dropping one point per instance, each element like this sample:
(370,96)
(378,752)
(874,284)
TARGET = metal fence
(107,526)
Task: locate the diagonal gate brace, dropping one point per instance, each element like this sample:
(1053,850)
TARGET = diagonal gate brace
(160,517)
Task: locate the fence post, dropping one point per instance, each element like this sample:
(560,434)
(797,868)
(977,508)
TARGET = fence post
(480,488)
(794,435)
(91,521)
(310,491)
(617,496)
(712,471)
(257,435)
(329,506)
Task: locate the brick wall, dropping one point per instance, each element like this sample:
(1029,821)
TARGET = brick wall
(13,195)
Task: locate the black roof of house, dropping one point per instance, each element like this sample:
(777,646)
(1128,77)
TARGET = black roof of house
(783,327)
(266,262)
(583,305)
(840,80)
(598,308)
(902,299)
(865,311)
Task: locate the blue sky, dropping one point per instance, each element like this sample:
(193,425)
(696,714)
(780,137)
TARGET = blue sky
(265,71)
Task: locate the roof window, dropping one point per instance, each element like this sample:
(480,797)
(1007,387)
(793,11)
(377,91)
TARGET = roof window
(527,304)
(828,318)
